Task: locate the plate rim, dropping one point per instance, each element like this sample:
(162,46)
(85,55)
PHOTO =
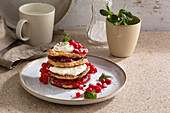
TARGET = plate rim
(124,73)
(14,27)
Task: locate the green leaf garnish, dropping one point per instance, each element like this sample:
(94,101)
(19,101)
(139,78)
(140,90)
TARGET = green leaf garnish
(66,38)
(103,76)
(124,17)
(89,95)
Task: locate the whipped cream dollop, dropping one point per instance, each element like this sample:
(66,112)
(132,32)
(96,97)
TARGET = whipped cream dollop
(69,71)
(63,46)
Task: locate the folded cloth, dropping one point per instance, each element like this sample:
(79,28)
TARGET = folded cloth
(12,50)
(7,37)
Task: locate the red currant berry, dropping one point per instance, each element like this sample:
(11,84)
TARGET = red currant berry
(89,89)
(45,81)
(90,64)
(78,43)
(42,70)
(47,63)
(80,46)
(47,74)
(87,64)
(91,86)
(104,85)
(42,74)
(103,81)
(41,79)
(76,46)
(108,81)
(44,65)
(81,87)
(84,52)
(76,51)
(72,42)
(78,94)
(95,70)
(92,67)
(98,89)
(91,71)
(99,84)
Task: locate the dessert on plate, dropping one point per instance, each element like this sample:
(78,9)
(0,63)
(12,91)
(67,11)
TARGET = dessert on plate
(67,65)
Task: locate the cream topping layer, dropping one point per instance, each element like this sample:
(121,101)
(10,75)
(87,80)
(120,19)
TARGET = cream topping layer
(63,46)
(69,71)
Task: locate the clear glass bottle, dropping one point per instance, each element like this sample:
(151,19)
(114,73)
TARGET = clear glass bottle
(96,29)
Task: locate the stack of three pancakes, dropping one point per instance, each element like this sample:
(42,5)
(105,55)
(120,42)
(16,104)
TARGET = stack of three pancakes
(68,70)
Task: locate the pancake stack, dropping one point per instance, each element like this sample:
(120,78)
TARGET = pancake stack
(68,65)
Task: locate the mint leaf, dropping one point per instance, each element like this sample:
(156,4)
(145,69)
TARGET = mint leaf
(113,19)
(104,12)
(66,38)
(125,14)
(103,76)
(124,7)
(108,9)
(89,95)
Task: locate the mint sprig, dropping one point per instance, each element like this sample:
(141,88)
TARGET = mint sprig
(66,38)
(89,95)
(103,76)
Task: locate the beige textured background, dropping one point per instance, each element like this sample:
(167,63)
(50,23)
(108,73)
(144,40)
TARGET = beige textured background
(155,14)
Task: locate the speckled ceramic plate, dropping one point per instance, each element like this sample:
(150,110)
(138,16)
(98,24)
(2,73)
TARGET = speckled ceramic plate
(9,9)
(29,78)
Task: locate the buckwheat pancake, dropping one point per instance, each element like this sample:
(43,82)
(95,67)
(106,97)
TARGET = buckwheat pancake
(66,54)
(70,77)
(59,62)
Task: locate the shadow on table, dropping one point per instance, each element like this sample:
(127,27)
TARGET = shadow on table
(14,97)
(3,69)
(105,53)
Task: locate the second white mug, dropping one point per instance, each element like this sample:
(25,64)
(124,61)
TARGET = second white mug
(36,23)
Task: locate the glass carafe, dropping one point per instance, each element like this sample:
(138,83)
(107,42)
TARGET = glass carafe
(96,29)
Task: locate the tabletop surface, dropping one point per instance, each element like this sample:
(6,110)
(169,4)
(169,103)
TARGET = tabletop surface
(147,89)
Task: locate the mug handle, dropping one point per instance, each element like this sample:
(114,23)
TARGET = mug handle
(19,30)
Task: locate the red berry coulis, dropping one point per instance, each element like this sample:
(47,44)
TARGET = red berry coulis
(64,59)
(74,83)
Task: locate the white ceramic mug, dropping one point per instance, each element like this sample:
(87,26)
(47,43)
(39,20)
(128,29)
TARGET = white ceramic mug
(36,23)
